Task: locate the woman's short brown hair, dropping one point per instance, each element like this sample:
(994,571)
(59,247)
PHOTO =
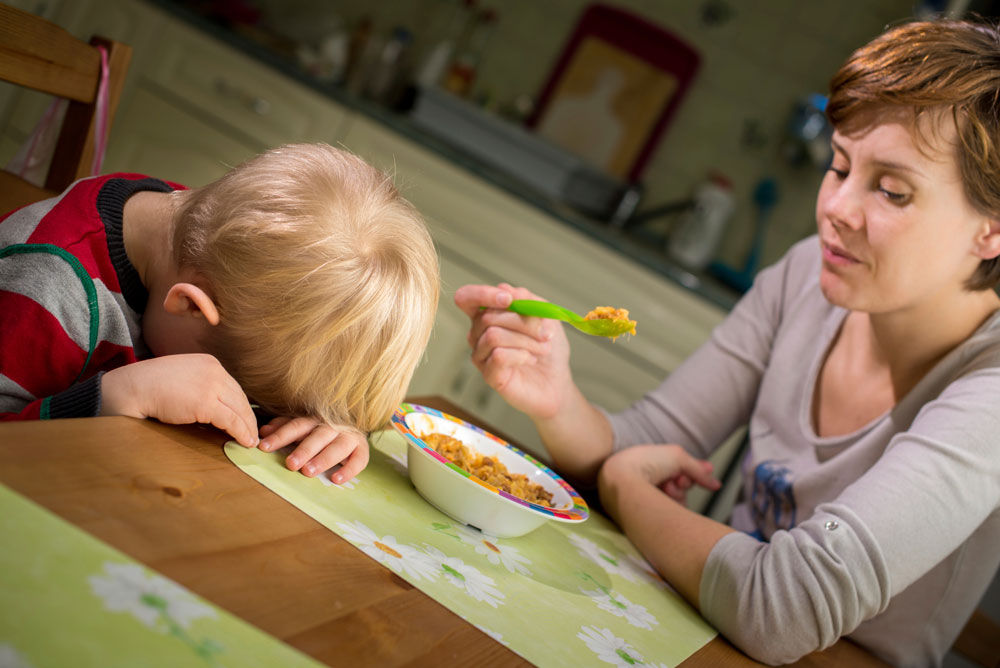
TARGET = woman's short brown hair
(940,65)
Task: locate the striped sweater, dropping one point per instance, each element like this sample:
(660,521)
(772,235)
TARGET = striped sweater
(70,300)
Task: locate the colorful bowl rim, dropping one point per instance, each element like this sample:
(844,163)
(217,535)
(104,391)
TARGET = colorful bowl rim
(578,513)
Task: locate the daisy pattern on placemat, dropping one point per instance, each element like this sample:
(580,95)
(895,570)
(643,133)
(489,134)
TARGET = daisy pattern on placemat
(622,564)
(325,478)
(161,604)
(614,602)
(11,658)
(400,463)
(478,585)
(148,598)
(489,546)
(609,648)
(493,634)
(403,559)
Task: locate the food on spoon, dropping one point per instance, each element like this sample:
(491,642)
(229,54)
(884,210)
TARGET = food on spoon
(611,313)
(488,469)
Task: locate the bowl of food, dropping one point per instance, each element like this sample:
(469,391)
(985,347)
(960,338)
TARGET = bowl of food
(480,479)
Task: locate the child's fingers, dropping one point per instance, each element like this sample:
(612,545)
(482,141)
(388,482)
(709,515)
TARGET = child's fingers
(352,466)
(273,425)
(237,420)
(301,458)
(289,431)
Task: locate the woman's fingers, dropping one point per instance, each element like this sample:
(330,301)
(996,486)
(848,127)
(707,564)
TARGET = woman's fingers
(471,298)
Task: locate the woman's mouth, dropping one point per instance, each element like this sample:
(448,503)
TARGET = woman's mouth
(837,256)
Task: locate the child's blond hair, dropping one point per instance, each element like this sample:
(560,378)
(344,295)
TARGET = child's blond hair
(325,278)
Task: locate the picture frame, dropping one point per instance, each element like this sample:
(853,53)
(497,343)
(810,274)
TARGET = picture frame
(613,90)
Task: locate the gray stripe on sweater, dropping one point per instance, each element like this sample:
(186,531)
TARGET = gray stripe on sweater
(51,282)
(18,227)
(13,397)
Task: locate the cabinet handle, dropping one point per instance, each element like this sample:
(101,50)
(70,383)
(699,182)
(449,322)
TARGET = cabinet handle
(484,397)
(258,105)
(458,382)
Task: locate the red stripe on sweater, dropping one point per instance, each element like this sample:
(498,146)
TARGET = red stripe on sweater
(73,224)
(35,351)
(37,354)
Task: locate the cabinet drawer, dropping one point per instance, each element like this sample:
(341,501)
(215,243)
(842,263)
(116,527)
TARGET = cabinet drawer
(264,105)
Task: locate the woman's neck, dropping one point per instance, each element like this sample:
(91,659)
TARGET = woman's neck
(911,341)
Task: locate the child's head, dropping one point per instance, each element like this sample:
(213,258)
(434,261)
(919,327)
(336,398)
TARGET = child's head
(948,71)
(325,278)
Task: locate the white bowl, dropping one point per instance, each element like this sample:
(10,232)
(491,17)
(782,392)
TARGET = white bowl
(469,500)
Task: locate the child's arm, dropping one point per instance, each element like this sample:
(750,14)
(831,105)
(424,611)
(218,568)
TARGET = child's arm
(321,446)
(180,389)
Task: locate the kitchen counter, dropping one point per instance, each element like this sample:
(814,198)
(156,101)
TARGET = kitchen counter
(272,52)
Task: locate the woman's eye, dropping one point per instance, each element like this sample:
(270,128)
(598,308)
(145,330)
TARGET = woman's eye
(894,197)
(839,173)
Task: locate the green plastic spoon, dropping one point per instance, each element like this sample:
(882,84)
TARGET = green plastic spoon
(598,327)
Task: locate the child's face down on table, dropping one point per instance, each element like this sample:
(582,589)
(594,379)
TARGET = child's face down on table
(302,280)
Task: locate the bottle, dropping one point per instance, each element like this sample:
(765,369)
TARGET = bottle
(463,70)
(444,37)
(386,74)
(696,236)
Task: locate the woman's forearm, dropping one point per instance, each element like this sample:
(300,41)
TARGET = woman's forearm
(675,540)
(578,437)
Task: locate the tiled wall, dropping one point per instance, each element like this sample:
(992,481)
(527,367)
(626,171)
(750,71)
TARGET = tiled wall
(755,65)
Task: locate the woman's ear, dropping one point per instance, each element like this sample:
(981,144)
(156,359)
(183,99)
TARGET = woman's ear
(988,240)
(187,299)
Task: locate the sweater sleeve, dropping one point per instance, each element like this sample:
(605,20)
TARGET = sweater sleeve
(713,392)
(79,400)
(934,486)
(48,336)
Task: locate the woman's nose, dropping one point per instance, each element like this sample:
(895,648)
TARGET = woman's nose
(843,205)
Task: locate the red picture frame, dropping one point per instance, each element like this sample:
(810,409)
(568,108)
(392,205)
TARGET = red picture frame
(661,65)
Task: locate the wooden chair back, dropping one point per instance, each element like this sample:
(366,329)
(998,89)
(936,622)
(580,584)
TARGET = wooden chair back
(40,55)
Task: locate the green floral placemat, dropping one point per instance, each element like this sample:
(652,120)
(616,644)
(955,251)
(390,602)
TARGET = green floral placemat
(562,595)
(69,600)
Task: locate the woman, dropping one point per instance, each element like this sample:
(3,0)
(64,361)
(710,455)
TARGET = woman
(867,364)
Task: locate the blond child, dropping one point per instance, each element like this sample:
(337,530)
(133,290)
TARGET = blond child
(300,281)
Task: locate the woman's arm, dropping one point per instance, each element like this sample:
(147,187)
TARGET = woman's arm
(526,360)
(675,540)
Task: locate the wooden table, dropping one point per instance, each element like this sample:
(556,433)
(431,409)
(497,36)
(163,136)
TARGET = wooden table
(168,497)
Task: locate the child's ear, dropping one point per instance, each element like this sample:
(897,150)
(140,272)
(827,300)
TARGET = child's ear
(988,240)
(188,299)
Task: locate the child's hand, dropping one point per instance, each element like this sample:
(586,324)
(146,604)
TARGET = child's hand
(180,389)
(321,447)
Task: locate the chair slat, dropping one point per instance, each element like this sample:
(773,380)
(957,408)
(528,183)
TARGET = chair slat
(40,55)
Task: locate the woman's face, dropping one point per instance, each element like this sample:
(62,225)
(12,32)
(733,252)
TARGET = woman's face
(896,228)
